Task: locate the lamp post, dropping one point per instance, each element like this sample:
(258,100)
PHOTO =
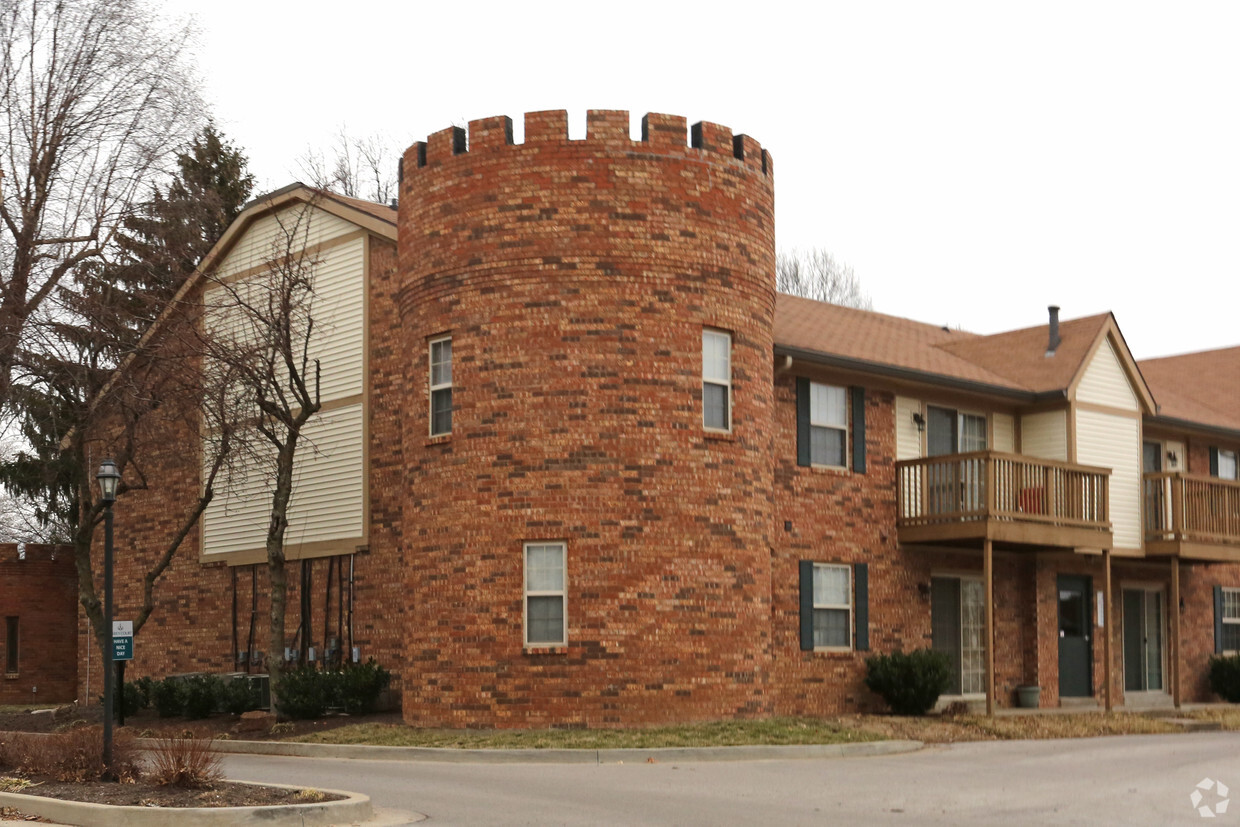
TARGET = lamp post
(109,477)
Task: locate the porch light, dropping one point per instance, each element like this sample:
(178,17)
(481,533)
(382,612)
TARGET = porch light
(109,477)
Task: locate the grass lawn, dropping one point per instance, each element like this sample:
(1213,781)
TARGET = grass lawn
(933,729)
(715,734)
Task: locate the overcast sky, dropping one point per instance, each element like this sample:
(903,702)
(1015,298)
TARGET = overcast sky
(973,162)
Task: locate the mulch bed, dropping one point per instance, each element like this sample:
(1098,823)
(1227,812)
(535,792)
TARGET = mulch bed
(148,723)
(219,794)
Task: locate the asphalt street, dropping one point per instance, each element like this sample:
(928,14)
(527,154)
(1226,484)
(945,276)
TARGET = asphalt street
(1119,780)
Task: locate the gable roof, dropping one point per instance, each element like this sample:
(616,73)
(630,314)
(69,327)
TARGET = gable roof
(1021,356)
(1197,388)
(1012,364)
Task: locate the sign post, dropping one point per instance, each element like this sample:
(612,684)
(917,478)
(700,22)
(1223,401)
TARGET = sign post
(122,651)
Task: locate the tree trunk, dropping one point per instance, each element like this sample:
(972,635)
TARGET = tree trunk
(275,560)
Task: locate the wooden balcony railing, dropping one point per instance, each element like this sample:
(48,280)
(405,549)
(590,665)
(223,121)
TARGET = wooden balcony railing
(1184,508)
(992,486)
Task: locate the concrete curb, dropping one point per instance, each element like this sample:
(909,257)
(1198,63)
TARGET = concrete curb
(567,756)
(354,808)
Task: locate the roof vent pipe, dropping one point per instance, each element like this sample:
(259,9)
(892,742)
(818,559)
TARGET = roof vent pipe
(1052,343)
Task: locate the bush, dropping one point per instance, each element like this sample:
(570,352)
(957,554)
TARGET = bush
(199,694)
(1225,677)
(360,687)
(131,699)
(910,684)
(305,692)
(145,686)
(237,696)
(184,761)
(168,696)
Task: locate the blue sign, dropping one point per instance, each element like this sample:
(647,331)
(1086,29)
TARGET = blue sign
(122,640)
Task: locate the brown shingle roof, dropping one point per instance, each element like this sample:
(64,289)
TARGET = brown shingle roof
(863,335)
(1197,387)
(1020,355)
(1015,360)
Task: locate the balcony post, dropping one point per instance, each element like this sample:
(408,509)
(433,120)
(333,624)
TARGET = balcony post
(988,564)
(1175,631)
(1175,486)
(989,476)
(1107,605)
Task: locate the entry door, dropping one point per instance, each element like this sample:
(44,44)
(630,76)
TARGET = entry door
(958,630)
(1075,652)
(1144,611)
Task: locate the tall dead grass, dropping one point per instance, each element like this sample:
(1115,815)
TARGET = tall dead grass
(73,755)
(184,760)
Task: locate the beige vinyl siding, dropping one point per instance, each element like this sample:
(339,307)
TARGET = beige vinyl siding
(327,503)
(336,308)
(1113,441)
(328,490)
(1105,383)
(269,236)
(339,329)
(1003,433)
(908,438)
(1045,435)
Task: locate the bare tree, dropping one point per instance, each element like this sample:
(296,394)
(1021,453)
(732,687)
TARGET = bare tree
(260,330)
(359,167)
(95,97)
(78,409)
(815,274)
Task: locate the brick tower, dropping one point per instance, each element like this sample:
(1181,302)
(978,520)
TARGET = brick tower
(568,481)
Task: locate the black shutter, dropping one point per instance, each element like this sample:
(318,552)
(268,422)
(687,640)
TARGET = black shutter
(861,611)
(858,429)
(803,457)
(1218,620)
(1213,460)
(807,605)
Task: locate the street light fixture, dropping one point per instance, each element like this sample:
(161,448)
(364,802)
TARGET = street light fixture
(109,478)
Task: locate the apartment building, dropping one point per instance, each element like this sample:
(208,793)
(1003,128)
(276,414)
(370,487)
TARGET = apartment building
(579,464)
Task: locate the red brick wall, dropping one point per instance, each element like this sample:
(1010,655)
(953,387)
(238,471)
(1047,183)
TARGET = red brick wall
(40,590)
(575,278)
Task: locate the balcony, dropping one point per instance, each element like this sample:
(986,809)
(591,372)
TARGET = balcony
(1195,518)
(1015,501)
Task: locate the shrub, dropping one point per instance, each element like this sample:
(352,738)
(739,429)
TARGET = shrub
(131,699)
(145,686)
(72,755)
(1225,677)
(360,687)
(199,695)
(168,697)
(184,761)
(910,684)
(237,696)
(306,692)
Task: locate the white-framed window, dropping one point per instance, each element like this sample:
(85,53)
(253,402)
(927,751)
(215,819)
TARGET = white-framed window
(828,425)
(1227,465)
(546,599)
(832,606)
(440,356)
(716,380)
(1231,620)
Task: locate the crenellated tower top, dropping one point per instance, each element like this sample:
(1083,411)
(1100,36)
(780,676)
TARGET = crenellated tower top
(607,128)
